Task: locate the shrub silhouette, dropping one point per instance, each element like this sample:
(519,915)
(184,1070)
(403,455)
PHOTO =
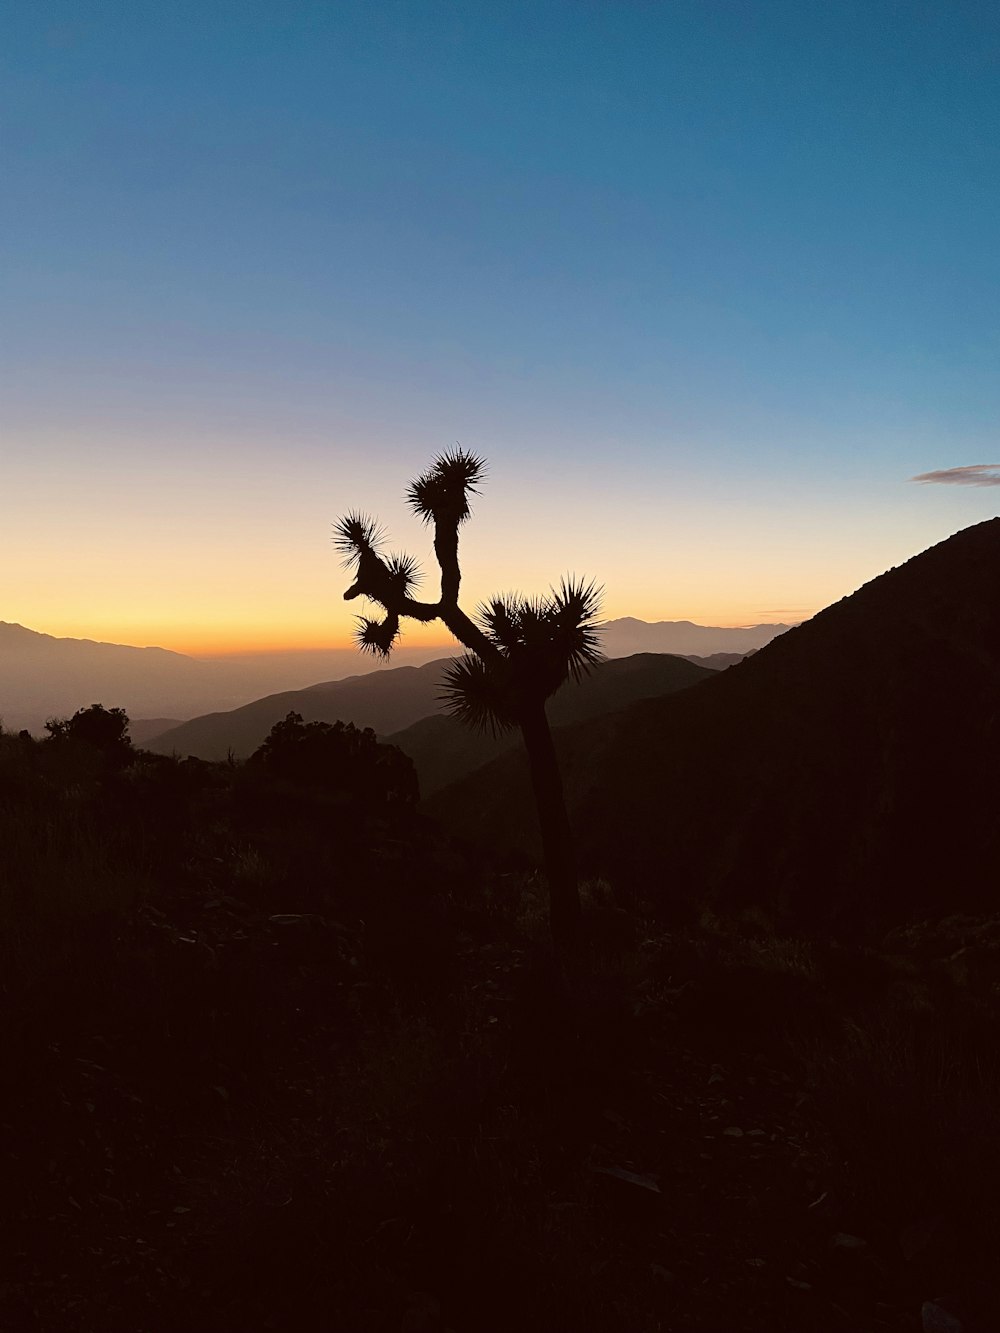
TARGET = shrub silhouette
(104,729)
(337,757)
(520,649)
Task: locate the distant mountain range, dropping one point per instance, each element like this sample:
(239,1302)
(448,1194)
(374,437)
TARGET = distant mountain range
(386,701)
(402,705)
(145,729)
(625,637)
(42,676)
(847,773)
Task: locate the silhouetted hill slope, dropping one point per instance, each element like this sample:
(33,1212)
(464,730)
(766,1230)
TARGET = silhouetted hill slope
(242,729)
(386,701)
(715,661)
(143,729)
(848,771)
(42,676)
(444,750)
(627,636)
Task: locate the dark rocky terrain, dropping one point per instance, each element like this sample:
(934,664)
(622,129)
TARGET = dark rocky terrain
(844,774)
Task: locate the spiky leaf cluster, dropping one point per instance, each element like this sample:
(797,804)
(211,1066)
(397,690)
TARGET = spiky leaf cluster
(388,580)
(356,535)
(377,636)
(562,628)
(540,642)
(477,694)
(573,616)
(441,494)
(404,574)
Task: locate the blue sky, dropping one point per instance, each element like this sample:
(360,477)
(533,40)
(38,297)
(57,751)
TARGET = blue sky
(707,283)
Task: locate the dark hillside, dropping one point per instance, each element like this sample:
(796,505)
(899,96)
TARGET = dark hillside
(275,1055)
(443,750)
(386,701)
(846,772)
(717,661)
(145,729)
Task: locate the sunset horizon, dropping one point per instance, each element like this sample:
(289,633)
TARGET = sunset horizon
(332,628)
(209,641)
(712,294)
(499,662)
(209,646)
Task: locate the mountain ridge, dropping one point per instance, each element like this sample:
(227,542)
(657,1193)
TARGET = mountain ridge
(401,705)
(757,787)
(386,701)
(43,675)
(443,749)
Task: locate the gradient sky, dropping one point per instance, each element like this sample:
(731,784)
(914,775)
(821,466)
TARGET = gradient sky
(707,283)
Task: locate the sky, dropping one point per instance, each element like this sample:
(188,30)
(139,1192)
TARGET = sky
(706,283)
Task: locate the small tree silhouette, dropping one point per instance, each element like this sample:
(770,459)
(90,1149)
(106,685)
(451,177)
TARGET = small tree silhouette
(338,757)
(102,728)
(520,650)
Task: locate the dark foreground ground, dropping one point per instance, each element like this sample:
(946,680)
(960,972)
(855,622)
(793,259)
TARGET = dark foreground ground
(221,1113)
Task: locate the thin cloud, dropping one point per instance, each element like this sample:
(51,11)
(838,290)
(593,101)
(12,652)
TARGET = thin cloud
(977,474)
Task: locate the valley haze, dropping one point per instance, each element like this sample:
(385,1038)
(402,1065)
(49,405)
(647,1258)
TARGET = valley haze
(42,676)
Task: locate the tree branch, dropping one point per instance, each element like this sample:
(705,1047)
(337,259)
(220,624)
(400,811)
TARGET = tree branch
(467,632)
(423,611)
(446,550)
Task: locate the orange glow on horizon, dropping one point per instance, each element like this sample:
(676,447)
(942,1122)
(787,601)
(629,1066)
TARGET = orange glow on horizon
(222,639)
(250,644)
(231,641)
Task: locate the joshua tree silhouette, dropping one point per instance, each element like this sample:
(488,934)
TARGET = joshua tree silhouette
(520,649)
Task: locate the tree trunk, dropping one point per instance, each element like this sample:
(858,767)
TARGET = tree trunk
(557,839)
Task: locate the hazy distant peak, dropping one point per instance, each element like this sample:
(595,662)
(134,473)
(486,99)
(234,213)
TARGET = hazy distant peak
(11,630)
(692,624)
(629,635)
(46,676)
(13,634)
